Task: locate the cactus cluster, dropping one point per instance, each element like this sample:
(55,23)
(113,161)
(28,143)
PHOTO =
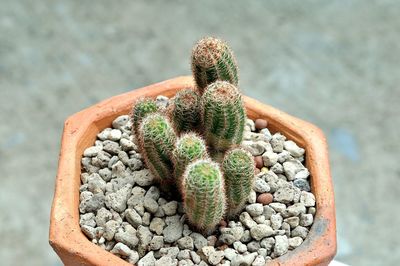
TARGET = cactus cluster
(176,145)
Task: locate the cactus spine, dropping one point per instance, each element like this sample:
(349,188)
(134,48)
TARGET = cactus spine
(185,110)
(141,109)
(212,60)
(223,115)
(156,140)
(189,147)
(238,168)
(203,194)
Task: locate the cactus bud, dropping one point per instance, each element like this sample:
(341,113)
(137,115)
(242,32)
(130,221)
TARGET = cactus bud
(189,147)
(185,110)
(156,141)
(223,115)
(238,168)
(140,110)
(203,194)
(212,60)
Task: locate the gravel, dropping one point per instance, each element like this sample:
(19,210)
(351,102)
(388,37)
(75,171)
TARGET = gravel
(123,210)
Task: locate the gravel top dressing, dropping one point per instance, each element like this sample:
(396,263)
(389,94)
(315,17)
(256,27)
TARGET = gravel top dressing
(123,210)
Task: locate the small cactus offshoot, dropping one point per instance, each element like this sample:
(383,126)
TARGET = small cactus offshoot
(141,109)
(157,139)
(203,194)
(189,147)
(238,167)
(223,115)
(213,60)
(185,110)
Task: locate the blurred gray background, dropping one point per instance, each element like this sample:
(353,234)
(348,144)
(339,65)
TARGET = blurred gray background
(333,63)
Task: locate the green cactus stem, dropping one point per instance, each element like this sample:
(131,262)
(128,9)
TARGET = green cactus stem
(223,115)
(212,60)
(238,167)
(188,148)
(185,111)
(141,108)
(203,194)
(156,141)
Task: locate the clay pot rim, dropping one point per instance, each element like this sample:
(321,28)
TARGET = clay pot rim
(73,247)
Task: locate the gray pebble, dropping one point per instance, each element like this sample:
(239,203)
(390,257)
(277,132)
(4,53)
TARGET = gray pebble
(255,209)
(87,219)
(268,243)
(150,205)
(111,147)
(195,258)
(170,208)
(268,211)
(269,158)
(302,174)
(281,245)
(103,216)
(294,242)
(253,246)
(185,242)
(252,197)
(183,254)
(259,261)
(240,247)
(276,221)
(121,249)
(302,184)
(110,229)
(143,177)
(246,237)
(291,168)
(157,225)
(89,231)
(296,209)
(260,231)
(162,101)
(307,199)
(105,173)
(120,121)
(266,133)
(277,168)
(293,221)
(199,240)
(137,197)
(147,260)
(230,253)
(306,219)
(156,242)
(284,195)
(127,235)
(246,220)
(293,149)
(312,210)
(256,148)
(174,229)
(115,135)
(260,186)
(91,203)
(244,260)
(92,151)
(170,252)
(277,142)
(299,231)
(117,201)
(278,207)
(133,217)
(127,145)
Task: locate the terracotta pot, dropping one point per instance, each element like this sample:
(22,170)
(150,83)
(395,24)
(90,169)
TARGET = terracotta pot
(80,132)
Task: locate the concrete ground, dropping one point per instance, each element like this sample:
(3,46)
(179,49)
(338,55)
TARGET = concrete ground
(333,63)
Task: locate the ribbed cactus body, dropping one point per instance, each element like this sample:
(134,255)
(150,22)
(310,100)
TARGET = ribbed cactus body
(142,108)
(189,147)
(157,139)
(203,194)
(223,115)
(238,167)
(185,111)
(213,60)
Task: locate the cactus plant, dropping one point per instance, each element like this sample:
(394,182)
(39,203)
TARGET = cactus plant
(223,115)
(156,140)
(142,107)
(189,147)
(238,167)
(212,60)
(203,194)
(185,110)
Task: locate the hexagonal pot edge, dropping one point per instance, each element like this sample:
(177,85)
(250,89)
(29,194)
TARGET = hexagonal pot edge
(80,131)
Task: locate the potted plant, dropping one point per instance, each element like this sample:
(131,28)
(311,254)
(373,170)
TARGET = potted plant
(179,176)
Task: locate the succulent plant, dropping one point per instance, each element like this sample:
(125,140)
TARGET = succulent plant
(141,108)
(156,140)
(213,60)
(185,110)
(238,167)
(203,194)
(188,148)
(223,115)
